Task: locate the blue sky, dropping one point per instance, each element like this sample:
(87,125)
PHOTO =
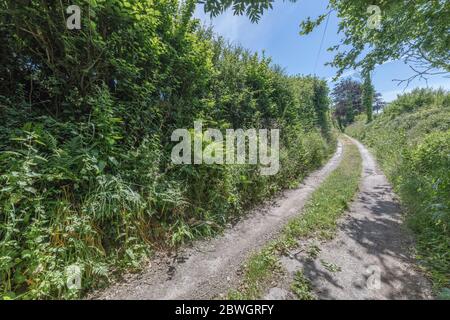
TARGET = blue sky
(277,33)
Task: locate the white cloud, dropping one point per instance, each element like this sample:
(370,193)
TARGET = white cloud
(227,24)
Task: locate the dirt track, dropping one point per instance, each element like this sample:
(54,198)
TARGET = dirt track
(370,257)
(210,267)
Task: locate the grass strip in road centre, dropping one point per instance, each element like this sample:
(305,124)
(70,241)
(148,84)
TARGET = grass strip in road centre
(319,220)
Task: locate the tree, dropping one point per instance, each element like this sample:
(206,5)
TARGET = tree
(321,105)
(414,31)
(367,96)
(253,9)
(347,101)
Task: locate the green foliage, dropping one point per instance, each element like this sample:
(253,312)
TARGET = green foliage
(413,31)
(347,99)
(331,267)
(418,100)
(352,98)
(85,170)
(368,97)
(259,269)
(253,9)
(302,287)
(411,140)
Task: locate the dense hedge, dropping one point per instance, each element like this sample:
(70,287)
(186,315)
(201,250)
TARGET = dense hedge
(86,119)
(411,140)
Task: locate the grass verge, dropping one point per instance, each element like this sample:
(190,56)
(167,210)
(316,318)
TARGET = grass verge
(318,220)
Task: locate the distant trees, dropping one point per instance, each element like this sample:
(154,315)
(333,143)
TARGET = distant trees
(351,97)
(347,101)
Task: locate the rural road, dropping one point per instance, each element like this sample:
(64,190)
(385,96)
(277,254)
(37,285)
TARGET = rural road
(370,257)
(210,267)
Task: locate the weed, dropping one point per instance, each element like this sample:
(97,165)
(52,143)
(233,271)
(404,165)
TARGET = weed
(302,287)
(331,267)
(313,251)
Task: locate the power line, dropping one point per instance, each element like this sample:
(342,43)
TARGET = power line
(321,42)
